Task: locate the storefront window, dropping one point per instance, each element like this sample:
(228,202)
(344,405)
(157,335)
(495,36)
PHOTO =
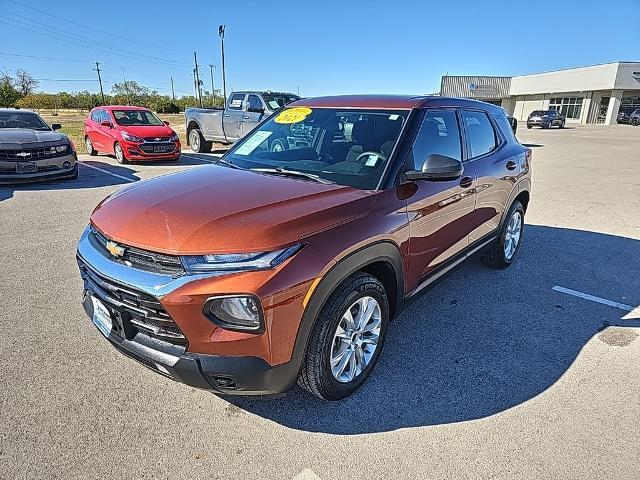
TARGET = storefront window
(570,107)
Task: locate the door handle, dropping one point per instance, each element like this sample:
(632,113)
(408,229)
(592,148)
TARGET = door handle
(245,117)
(227,114)
(511,165)
(466,182)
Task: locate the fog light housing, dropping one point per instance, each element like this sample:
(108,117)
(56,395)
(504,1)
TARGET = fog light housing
(66,164)
(241,313)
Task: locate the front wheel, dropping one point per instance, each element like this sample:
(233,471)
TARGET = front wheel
(635,122)
(504,249)
(561,125)
(119,153)
(347,338)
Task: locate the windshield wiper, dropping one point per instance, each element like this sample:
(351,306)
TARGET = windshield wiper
(292,173)
(229,164)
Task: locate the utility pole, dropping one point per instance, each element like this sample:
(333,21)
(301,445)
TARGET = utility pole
(195,60)
(97,69)
(213,88)
(195,85)
(173,93)
(224,74)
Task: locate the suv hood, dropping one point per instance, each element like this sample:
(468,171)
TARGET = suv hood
(22,135)
(146,131)
(215,209)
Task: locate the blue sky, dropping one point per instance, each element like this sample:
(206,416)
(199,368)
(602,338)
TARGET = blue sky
(321,47)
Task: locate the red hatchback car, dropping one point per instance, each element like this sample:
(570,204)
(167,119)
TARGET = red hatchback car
(132,134)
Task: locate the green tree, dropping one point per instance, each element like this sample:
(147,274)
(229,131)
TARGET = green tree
(8,93)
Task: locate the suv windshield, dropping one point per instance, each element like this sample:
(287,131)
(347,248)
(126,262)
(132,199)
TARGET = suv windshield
(348,147)
(22,120)
(136,117)
(278,100)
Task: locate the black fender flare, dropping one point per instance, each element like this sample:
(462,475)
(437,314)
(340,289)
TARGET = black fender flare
(386,251)
(189,130)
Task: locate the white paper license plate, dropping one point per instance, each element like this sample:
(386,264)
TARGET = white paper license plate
(26,167)
(101,317)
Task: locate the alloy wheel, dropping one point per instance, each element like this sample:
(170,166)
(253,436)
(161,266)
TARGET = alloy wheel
(356,339)
(119,154)
(194,141)
(512,235)
(88,145)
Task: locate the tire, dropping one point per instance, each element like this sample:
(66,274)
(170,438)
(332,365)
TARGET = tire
(529,127)
(76,173)
(635,122)
(561,125)
(88,145)
(119,153)
(499,256)
(197,143)
(316,374)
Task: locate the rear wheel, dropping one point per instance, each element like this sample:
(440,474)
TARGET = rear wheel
(89,146)
(119,153)
(635,122)
(347,338)
(197,142)
(503,251)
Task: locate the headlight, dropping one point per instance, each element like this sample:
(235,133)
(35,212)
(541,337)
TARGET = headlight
(131,138)
(235,312)
(58,149)
(174,138)
(237,262)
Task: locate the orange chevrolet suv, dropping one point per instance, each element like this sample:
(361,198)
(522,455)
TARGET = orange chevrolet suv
(286,261)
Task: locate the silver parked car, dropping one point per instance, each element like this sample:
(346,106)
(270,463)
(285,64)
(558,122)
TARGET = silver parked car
(31,150)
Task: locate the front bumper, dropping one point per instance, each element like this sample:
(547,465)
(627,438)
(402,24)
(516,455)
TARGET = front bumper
(47,169)
(144,151)
(223,374)
(211,358)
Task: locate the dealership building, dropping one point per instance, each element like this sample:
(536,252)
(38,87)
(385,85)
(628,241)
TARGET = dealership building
(593,94)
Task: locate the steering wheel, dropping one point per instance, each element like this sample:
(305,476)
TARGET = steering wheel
(364,156)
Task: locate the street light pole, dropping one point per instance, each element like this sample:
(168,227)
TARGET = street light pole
(224,74)
(213,88)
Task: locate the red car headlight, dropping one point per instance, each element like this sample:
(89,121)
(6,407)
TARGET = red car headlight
(174,137)
(131,138)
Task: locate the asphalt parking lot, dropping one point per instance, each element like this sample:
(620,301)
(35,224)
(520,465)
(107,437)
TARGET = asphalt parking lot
(491,374)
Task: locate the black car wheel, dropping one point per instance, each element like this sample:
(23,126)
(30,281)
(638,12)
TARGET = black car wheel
(346,339)
(635,122)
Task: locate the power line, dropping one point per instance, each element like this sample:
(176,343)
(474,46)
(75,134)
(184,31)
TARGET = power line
(93,29)
(42,58)
(77,41)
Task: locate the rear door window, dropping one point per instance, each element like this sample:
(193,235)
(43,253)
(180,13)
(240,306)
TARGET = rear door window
(236,101)
(480,133)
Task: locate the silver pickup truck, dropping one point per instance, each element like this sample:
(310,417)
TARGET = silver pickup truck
(243,111)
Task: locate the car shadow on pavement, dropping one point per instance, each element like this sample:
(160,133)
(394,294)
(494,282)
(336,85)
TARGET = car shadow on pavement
(93,174)
(481,341)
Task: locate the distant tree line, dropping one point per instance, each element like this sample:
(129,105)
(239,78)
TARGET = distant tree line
(19,91)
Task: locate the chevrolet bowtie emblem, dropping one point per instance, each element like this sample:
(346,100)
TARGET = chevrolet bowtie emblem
(115,249)
(23,154)
(157,139)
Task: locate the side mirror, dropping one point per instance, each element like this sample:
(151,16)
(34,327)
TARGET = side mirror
(255,110)
(106,123)
(437,167)
(56,126)
(166,123)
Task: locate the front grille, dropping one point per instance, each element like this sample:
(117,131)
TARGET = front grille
(30,154)
(139,258)
(150,147)
(43,168)
(156,139)
(135,311)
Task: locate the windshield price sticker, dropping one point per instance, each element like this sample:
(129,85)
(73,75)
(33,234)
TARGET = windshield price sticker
(253,142)
(293,115)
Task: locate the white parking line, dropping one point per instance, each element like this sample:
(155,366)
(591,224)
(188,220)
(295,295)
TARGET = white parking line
(108,172)
(633,312)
